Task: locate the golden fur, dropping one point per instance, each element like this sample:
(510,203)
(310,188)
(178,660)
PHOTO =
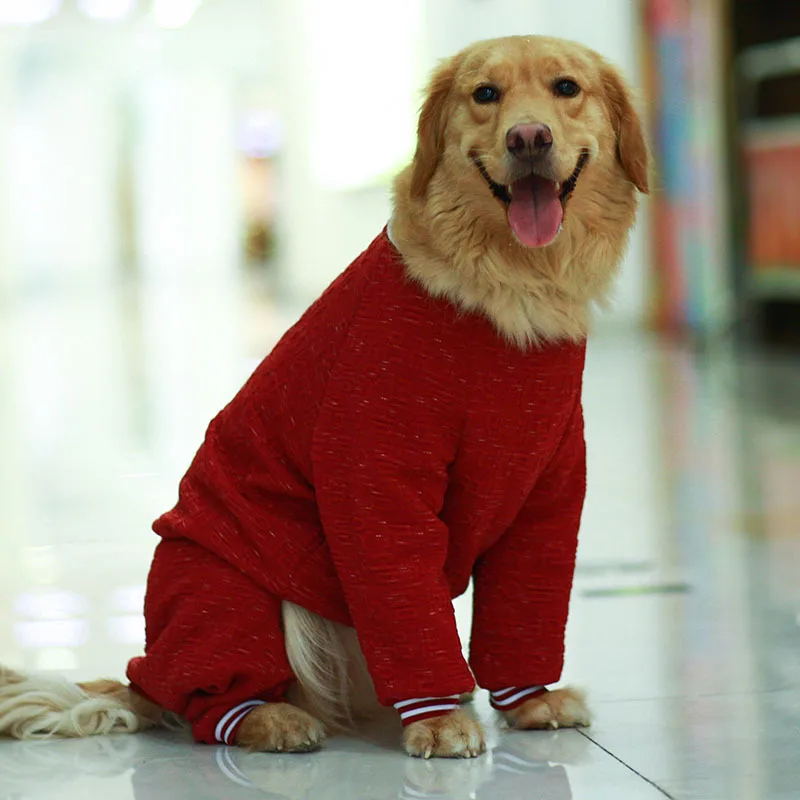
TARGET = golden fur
(563,708)
(455,735)
(454,235)
(456,241)
(279,728)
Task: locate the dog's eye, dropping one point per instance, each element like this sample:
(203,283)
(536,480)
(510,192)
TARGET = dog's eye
(564,87)
(486,94)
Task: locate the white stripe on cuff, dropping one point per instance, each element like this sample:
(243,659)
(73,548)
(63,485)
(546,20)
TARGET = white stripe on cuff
(507,701)
(505,692)
(415,712)
(416,700)
(225,726)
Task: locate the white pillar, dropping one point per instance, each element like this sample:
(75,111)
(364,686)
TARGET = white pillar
(61,173)
(187,208)
(9,49)
(348,103)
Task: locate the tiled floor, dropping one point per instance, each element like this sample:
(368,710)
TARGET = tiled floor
(686,616)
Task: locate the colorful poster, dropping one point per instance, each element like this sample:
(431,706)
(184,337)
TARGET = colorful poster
(691,290)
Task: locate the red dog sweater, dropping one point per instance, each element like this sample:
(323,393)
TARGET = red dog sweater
(390,448)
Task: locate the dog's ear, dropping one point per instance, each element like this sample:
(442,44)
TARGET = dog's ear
(430,130)
(632,150)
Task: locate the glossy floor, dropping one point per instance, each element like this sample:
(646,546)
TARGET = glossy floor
(685,626)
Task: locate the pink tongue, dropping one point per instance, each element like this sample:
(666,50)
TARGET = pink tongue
(535,211)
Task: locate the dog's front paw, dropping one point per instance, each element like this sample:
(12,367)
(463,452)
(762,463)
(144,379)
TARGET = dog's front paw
(454,735)
(561,708)
(280,728)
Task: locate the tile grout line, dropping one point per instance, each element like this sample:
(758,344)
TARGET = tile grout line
(626,765)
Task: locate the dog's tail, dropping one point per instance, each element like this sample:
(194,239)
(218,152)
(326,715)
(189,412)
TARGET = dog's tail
(329,666)
(37,707)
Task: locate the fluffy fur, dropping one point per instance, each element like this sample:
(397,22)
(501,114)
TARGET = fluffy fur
(454,235)
(455,240)
(36,707)
(333,679)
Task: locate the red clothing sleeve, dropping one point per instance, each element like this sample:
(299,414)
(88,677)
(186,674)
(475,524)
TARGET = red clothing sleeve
(522,583)
(384,440)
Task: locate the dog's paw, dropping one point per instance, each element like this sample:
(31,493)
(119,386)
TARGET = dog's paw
(454,735)
(280,728)
(561,708)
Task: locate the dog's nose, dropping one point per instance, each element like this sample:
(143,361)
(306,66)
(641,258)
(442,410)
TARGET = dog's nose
(528,140)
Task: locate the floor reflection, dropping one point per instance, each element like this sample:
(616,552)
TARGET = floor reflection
(533,765)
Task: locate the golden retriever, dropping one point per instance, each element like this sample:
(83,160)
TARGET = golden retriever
(517,205)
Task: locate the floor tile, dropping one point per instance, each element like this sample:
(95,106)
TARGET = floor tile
(520,766)
(722,747)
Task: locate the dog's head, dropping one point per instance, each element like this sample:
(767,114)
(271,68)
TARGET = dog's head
(524,127)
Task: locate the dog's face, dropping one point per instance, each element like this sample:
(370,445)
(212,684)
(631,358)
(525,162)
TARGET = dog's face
(530,124)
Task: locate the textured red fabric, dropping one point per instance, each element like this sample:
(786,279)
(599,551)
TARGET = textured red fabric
(214,639)
(390,447)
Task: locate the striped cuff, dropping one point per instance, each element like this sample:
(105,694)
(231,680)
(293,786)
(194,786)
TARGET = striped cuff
(514,697)
(226,727)
(426,707)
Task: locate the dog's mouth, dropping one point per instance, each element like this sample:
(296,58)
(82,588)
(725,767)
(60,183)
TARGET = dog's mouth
(535,204)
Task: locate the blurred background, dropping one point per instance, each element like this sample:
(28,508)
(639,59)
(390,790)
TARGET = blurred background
(158,141)
(179,179)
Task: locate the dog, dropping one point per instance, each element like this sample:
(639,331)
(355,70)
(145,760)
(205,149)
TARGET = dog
(419,428)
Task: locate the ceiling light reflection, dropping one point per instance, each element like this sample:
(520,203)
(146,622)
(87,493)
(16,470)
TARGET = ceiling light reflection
(110,10)
(173,14)
(128,598)
(50,605)
(55,659)
(52,633)
(128,629)
(27,12)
